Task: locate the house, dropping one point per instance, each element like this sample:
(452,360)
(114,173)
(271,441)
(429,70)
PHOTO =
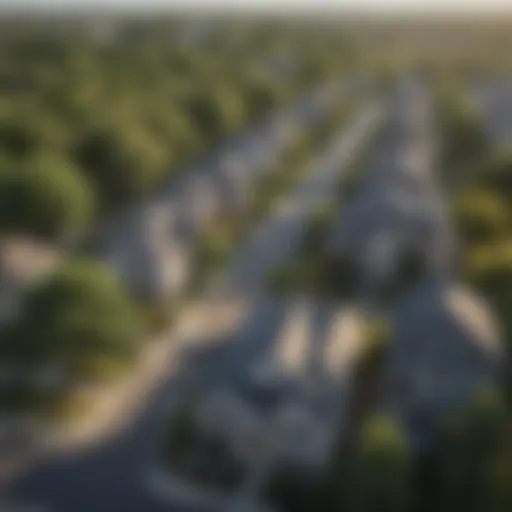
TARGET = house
(446,347)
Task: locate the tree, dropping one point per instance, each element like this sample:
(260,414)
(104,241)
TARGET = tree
(468,441)
(376,338)
(489,268)
(215,112)
(462,129)
(17,138)
(498,474)
(123,163)
(482,216)
(80,311)
(380,476)
(261,96)
(45,196)
(496,173)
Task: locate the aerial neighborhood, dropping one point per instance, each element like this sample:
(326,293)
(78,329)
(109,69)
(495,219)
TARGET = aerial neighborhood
(255,264)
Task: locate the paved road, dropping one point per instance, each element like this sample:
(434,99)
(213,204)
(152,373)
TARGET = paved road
(108,477)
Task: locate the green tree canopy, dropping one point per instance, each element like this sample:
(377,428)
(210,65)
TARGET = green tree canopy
(462,128)
(17,138)
(380,474)
(496,173)
(122,162)
(82,310)
(481,216)
(498,497)
(469,440)
(46,196)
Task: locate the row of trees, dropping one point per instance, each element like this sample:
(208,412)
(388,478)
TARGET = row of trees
(471,470)
(113,118)
(80,322)
(380,471)
(462,131)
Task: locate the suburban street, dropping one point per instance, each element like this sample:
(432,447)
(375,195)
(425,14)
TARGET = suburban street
(255,258)
(274,357)
(110,475)
(288,371)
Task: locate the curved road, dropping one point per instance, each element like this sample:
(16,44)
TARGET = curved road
(108,477)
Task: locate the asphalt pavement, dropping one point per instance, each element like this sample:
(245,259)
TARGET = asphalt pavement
(109,476)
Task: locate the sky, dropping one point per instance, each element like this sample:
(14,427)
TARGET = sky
(416,6)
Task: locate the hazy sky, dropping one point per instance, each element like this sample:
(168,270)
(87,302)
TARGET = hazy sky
(372,5)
